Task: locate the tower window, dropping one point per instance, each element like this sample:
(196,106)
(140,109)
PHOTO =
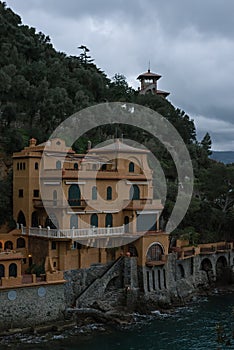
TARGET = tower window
(94,193)
(109,193)
(36,166)
(53,245)
(21,193)
(131,167)
(36,193)
(58,164)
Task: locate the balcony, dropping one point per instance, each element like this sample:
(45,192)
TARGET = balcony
(207,250)
(161,261)
(92,232)
(75,203)
(144,203)
(215,247)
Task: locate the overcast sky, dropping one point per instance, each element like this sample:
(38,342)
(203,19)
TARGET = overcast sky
(190,43)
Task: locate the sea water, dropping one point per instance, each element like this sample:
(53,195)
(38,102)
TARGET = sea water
(193,327)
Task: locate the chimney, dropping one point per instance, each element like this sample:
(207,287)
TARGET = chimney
(32,142)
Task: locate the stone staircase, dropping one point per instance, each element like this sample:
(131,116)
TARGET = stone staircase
(97,288)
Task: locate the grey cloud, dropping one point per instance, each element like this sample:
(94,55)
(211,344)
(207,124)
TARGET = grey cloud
(190,43)
(213,17)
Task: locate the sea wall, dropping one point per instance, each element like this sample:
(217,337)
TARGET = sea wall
(120,284)
(161,284)
(31,306)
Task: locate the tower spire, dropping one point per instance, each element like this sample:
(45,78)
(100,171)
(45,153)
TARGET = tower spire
(149,67)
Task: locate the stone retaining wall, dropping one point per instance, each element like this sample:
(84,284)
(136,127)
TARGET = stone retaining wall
(31,306)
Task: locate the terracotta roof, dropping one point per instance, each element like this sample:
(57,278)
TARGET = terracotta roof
(161,92)
(118,146)
(149,74)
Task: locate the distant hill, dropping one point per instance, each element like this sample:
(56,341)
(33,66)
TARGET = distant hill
(225,157)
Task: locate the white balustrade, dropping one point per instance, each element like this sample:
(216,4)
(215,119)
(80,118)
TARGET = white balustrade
(74,233)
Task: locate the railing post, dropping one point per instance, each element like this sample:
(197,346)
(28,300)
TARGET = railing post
(22,228)
(73,232)
(123,229)
(48,231)
(108,229)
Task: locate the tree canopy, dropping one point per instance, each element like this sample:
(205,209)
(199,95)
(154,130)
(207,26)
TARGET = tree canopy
(40,87)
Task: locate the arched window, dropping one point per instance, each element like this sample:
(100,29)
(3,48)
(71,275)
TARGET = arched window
(131,167)
(76,166)
(154,253)
(2,271)
(34,219)
(52,221)
(8,245)
(94,192)
(21,166)
(21,218)
(109,193)
(58,164)
(20,242)
(54,198)
(74,195)
(0,245)
(103,168)
(134,192)
(74,221)
(36,166)
(109,220)
(126,223)
(13,270)
(94,220)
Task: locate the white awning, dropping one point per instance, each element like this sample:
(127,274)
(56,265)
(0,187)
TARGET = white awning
(143,212)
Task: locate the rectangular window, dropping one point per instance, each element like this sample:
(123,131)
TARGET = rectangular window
(21,193)
(53,245)
(36,193)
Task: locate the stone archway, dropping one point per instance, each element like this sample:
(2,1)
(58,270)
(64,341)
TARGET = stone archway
(206,265)
(221,269)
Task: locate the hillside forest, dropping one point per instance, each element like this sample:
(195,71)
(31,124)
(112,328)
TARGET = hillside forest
(40,87)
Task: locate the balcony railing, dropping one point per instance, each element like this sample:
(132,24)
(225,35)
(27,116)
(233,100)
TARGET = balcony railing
(161,260)
(92,232)
(142,203)
(80,203)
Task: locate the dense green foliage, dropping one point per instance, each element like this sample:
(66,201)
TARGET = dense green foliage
(40,87)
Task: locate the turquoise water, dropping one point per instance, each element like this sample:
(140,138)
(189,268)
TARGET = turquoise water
(192,327)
